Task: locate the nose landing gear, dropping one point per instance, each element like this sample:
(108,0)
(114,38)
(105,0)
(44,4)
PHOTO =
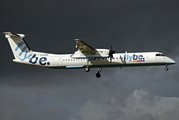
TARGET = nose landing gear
(166,68)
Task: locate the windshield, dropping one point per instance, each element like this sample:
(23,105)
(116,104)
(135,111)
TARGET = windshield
(160,54)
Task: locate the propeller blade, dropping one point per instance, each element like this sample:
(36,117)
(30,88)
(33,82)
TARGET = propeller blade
(111,52)
(111,47)
(110,59)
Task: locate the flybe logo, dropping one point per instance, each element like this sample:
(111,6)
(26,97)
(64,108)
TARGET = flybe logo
(24,54)
(41,60)
(134,58)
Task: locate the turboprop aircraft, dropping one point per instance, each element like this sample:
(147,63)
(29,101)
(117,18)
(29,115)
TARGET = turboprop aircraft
(85,57)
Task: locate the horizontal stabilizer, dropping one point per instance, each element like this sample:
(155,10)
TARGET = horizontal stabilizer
(13,35)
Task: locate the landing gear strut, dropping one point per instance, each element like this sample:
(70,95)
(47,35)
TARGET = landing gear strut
(98,75)
(87,69)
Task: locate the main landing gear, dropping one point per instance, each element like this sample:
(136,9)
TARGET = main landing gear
(98,75)
(87,69)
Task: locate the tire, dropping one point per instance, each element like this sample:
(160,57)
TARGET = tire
(98,75)
(87,69)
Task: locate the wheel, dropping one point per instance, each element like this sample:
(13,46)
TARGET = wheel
(87,69)
(166,68)
(98,75)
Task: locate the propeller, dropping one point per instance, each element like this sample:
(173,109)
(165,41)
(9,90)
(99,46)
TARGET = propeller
(111,52)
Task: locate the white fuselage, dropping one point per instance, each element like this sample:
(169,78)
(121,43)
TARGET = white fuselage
(65,61)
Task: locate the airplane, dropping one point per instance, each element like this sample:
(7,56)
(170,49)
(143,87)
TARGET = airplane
(85,57)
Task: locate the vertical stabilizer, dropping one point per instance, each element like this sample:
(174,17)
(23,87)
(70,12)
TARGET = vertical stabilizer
(19,47)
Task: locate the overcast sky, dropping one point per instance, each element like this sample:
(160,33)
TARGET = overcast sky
(35,93)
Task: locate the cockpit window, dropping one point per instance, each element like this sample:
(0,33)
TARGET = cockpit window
(160,55)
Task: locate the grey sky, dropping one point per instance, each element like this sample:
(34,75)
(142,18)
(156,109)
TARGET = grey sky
(148,93)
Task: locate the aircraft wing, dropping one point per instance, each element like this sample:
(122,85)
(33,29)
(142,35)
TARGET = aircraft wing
(84,48)
(87,52)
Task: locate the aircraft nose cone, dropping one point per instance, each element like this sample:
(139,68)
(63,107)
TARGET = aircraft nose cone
(170,61)
(173,62)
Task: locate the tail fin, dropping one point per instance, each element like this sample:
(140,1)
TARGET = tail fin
(19,47)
